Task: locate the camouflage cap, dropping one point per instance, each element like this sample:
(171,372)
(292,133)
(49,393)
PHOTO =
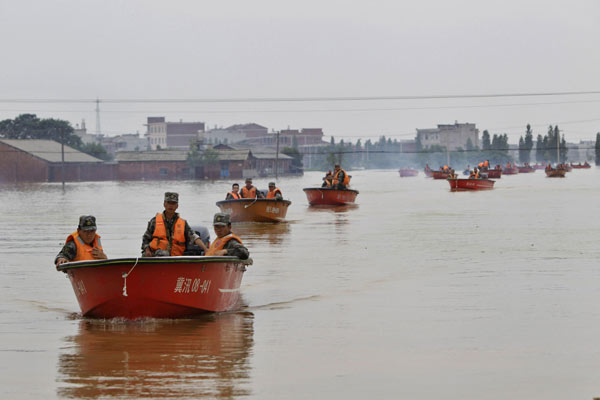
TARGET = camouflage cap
(249,180)
(172,196)
(271,184)
(87,223)
(221,219)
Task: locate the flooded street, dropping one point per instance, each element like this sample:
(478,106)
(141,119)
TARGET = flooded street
(416,292)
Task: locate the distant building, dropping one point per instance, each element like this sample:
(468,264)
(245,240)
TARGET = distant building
(235,134)
(126,142)
(86,138)
(452,137)
(153,165)
(35,160)
(172,135)
(585,150)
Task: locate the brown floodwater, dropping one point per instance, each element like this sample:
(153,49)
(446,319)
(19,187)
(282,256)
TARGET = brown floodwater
(416,292)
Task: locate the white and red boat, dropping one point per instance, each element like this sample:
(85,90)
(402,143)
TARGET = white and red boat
(255,210)
(329,196)
(459,184)
(157,287)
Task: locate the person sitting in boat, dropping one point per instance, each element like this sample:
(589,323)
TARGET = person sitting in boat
(452,174)
(340,178)
(226,243)
(328,179)
(474,174)
(234,194)
(167,234)
(250,192)
(83,244)
(274,192)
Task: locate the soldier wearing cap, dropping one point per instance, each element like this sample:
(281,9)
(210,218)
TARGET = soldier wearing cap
(83,244)
(249,191)
(341,180)
(226,243)
(167,234)
(274,192)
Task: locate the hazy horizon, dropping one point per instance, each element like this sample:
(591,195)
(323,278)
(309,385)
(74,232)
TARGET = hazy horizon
(152,50)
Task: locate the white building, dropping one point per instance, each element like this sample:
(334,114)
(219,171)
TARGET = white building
(452,137)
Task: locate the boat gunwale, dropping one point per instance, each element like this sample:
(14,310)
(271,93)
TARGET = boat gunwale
(150,260)
(330,189)
(252,200)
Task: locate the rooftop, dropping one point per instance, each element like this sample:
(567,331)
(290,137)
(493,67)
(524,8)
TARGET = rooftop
(50,151)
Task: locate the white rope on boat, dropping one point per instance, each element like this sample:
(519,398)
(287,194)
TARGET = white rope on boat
(125,275)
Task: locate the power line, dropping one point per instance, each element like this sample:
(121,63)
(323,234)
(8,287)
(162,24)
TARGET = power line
(302,99)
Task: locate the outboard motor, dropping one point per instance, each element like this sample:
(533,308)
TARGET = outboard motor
(194,250)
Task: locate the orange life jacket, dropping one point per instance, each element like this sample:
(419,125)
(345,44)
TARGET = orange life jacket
(159,237)
(248,193)
(480,165)
(84,251)
(220,243)
(236,196)
(346,178)
(486,164)
(271,193)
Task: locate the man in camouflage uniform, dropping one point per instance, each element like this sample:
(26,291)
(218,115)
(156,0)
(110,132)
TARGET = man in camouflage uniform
(170,218)
(226,243)
(90,242)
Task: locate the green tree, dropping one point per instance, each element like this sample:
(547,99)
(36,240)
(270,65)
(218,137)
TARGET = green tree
(96,150)
(598,148)
(485,140)
(29,126)
(539,149)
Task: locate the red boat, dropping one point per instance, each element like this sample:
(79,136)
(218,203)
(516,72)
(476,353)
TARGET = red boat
(404,172)
(493,173)
(440,174)
(460,184)
(328,196)
(539,166)
(510,170)
(255,210)
(157,287)
(526,169)
(555,173)
(579,166)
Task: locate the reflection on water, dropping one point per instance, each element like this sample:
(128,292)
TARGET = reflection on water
(274,233)
(158,358)
(329,208)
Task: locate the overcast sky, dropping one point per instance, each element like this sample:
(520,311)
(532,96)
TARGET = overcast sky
(278,49)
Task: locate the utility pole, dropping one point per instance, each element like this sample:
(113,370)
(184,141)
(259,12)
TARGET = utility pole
(62,157)
(277,158)
(557,147)
(98,132)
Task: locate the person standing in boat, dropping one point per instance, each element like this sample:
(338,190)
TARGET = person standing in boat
(274,192)
(340,178)
(234,194)
(250,192)
(167,233)
(226,243)
(83,244)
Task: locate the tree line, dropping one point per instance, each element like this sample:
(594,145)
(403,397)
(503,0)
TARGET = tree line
(29,126)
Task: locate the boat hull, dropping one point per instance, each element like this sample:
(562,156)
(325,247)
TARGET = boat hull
(255,210)
(526,170)
(510,171)
(440,175)
(493,173)
(158,287)
(459,184)
(406,172)
(555,173)
(328,196)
